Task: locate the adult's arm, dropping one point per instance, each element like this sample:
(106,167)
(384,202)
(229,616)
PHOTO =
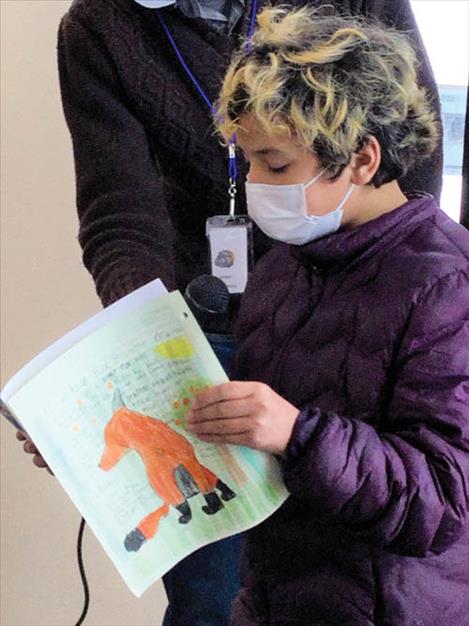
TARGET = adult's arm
(404,486)
(125,231)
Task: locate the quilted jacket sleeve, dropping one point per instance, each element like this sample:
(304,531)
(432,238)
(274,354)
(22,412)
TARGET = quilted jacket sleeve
(406,486)
(125,230)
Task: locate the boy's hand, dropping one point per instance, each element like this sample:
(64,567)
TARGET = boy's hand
(30,448)
(243,413)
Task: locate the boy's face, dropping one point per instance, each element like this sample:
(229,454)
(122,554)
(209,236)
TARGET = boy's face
(281,161)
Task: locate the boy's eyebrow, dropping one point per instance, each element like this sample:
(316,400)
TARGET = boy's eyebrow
(266,152)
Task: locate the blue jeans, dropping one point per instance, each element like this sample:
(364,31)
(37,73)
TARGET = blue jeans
(201,588)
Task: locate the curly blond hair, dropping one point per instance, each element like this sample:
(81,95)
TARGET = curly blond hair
(330,82)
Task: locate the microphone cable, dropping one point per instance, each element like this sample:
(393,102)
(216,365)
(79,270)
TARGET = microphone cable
(81,567)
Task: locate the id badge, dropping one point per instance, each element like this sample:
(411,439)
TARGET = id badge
(231,249)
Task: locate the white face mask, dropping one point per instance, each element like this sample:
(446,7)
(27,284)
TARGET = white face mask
(280,211)
(155,4)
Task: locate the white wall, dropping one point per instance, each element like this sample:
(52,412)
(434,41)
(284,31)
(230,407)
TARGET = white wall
(45,291)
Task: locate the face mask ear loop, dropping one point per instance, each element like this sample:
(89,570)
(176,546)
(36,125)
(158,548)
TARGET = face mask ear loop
(314,179)
(346,197)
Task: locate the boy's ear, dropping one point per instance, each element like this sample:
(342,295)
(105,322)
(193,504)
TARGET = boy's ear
(365,162)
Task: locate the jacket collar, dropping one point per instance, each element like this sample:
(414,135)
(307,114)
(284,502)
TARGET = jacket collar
(344,248)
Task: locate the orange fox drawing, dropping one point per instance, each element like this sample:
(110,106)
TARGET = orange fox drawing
(171,464)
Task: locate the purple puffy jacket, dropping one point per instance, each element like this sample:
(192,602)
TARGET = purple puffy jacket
(367,332)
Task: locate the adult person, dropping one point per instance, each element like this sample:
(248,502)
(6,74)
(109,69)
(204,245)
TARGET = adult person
(353,335)
(149,171)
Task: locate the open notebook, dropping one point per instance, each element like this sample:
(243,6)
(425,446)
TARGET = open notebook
(106,406)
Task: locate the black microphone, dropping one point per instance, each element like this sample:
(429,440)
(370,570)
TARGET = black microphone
(209,300)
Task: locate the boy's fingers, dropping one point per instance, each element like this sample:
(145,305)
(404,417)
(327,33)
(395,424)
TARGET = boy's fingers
(239,440)
(39,461)
(29,447)
(227,409)
(233,390)
(236,426)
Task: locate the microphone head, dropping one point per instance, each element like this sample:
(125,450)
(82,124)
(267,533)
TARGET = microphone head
(209,294)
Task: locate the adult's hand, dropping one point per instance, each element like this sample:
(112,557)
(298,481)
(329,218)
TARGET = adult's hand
(30,448)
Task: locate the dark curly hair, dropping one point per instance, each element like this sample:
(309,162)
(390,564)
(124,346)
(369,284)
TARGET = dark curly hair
(331,82)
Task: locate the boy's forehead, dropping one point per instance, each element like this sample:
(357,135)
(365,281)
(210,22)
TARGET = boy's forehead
(251,137)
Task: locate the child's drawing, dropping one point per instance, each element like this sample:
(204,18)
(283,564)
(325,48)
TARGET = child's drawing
(172,467)
(175,349)
(186,395)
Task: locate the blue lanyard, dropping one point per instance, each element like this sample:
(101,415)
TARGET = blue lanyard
(232,161)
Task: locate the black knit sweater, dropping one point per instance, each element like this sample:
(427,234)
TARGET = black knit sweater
(149,168)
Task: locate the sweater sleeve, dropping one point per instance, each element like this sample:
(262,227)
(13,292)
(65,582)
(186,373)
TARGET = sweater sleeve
(405,485)
(125,231)
(427,176)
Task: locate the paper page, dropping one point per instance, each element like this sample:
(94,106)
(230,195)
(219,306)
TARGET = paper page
(150,491)
(140,296)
